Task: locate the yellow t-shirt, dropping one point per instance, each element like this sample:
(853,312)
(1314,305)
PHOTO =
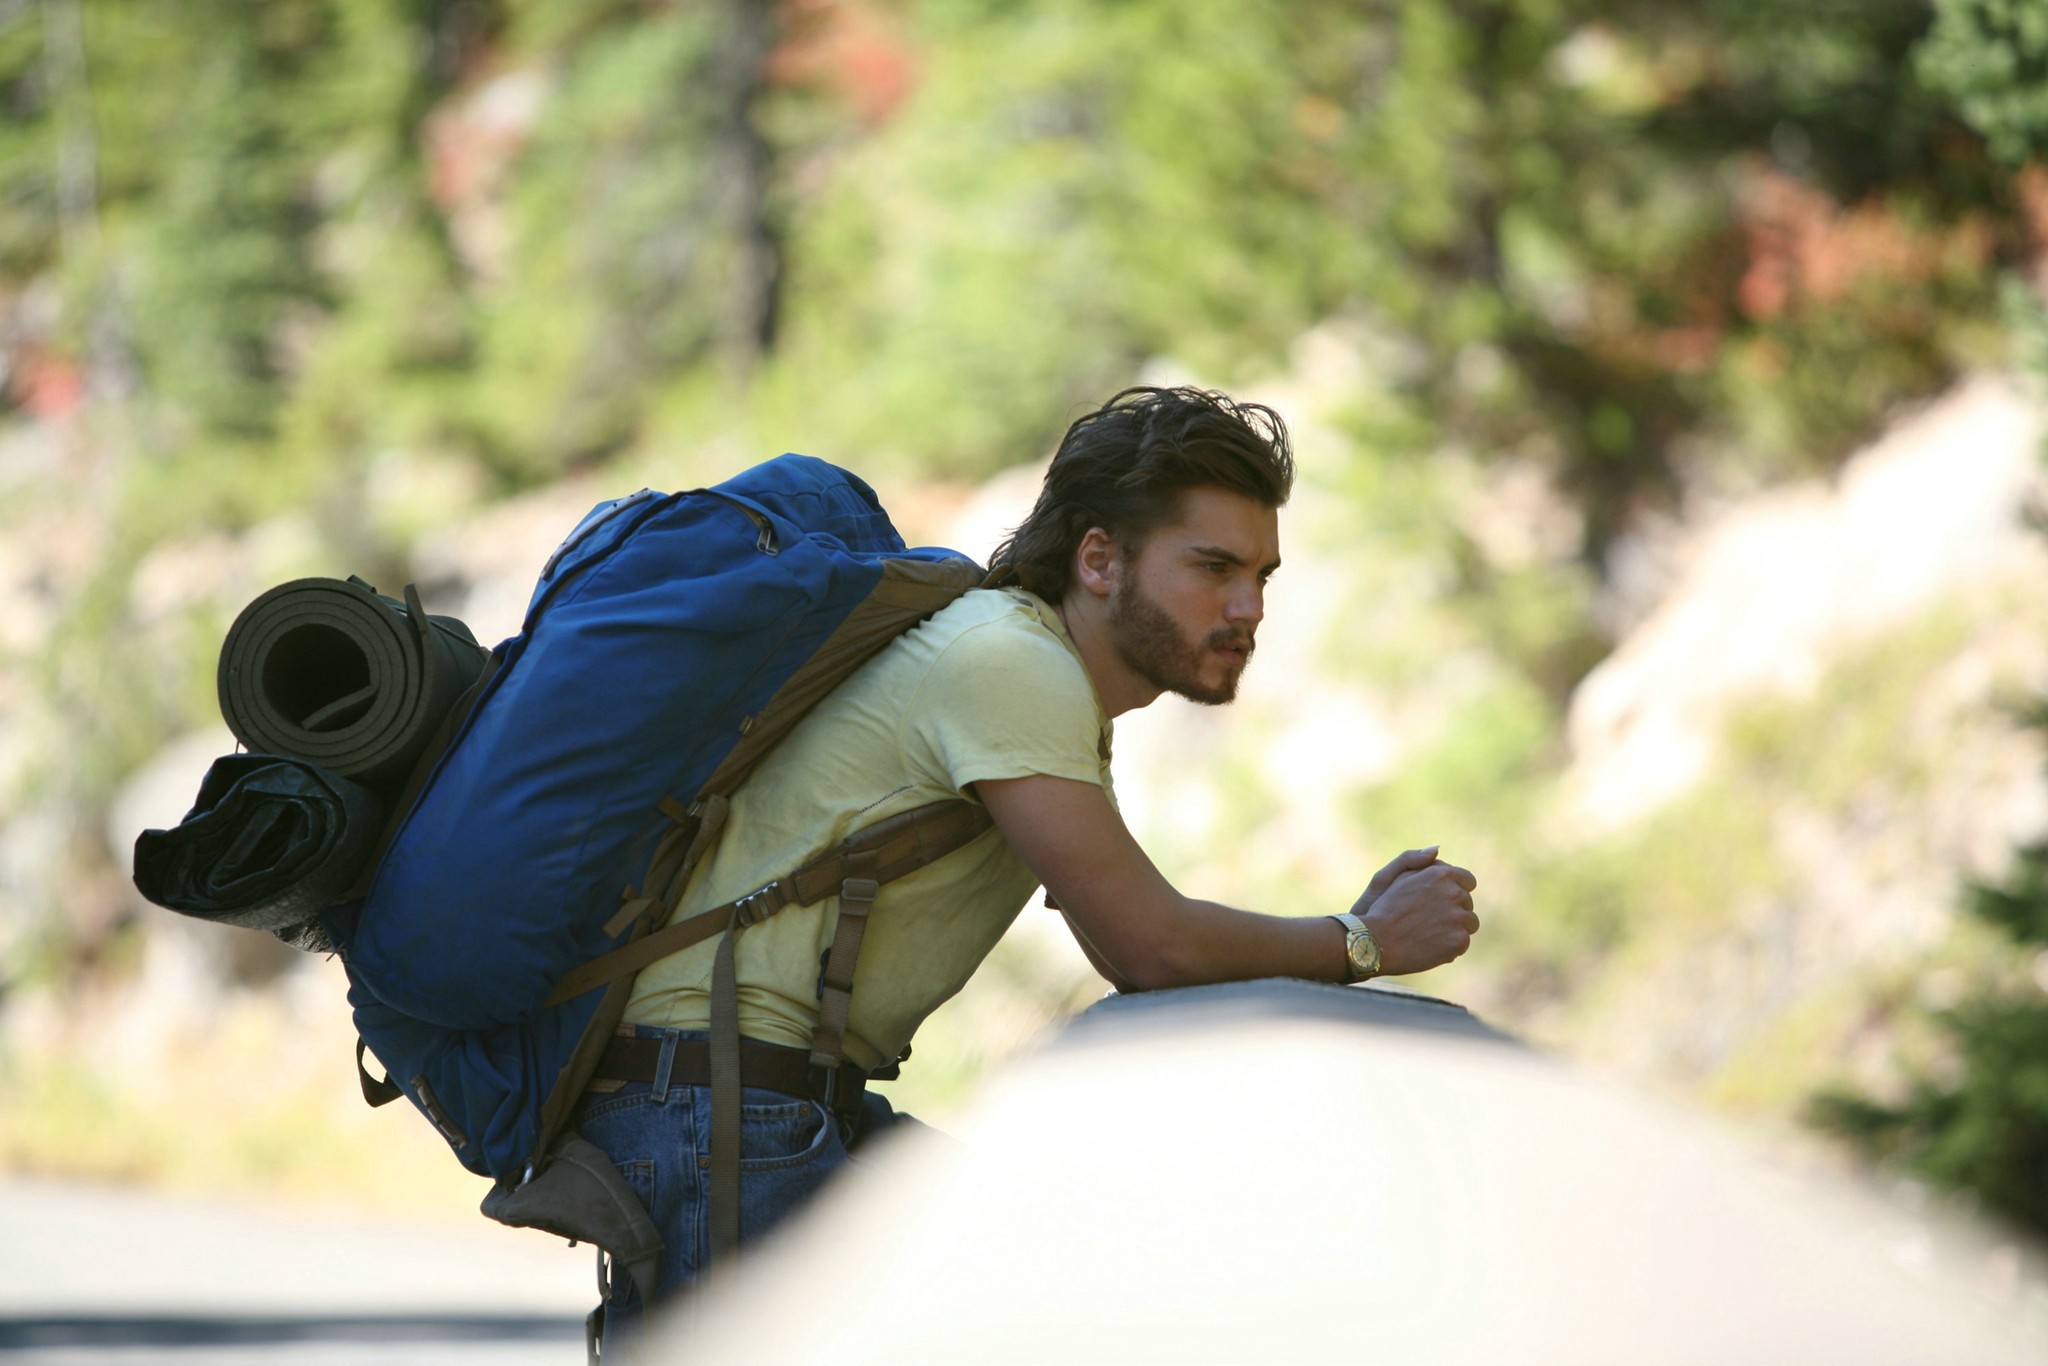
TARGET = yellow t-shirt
(991,687)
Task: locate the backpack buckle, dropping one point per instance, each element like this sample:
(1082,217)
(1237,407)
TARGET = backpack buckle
(757,905)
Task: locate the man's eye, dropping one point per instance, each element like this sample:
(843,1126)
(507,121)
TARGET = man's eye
(1216,567)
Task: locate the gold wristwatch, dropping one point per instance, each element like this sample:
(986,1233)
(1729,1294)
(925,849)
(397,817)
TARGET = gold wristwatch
(1361,950)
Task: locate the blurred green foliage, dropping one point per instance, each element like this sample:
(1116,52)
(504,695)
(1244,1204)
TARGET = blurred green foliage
(921,233)
(1991,58)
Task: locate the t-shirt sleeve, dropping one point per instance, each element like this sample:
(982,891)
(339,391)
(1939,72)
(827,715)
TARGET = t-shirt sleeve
(1005,700)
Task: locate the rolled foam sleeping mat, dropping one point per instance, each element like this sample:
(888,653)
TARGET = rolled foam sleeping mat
(329,671)
(269,843)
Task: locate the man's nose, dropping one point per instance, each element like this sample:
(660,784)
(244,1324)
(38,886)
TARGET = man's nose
(1247,606)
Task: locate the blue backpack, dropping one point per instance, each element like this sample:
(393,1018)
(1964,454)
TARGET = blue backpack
(671,642)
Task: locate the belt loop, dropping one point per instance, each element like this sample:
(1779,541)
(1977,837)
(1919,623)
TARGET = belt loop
(830,1099)
(663,1065)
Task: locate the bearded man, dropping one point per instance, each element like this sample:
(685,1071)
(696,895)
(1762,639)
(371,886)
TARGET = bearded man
(1142,569)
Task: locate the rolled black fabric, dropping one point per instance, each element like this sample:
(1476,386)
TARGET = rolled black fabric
(269,843)
(328,671)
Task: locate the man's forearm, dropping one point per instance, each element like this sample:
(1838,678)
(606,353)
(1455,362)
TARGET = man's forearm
(1218,943)
(1141,932)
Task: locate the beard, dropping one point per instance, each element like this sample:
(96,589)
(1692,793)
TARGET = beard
(1151,646)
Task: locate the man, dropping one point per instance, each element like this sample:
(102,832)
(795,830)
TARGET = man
(1142,569)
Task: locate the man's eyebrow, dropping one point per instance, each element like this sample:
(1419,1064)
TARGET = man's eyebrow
(1217,552)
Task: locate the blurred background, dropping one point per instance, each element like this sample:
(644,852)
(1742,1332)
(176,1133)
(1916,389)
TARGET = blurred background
(1667,547)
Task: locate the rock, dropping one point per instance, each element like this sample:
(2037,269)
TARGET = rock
(1780,583)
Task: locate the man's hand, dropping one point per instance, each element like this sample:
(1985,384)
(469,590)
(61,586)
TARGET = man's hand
(1408,861)
(1419,909)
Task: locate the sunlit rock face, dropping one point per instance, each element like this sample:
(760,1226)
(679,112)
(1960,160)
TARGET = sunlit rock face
(1827,697)
(1768,591)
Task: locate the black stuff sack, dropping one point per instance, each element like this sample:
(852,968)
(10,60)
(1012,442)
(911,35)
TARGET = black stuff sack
(269,843)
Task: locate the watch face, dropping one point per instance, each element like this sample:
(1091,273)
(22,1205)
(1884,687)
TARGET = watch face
(1361,949)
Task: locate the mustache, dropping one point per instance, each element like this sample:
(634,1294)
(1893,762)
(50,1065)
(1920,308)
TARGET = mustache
(1225,638)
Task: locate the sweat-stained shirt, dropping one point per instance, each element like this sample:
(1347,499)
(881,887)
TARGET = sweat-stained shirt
(990,687)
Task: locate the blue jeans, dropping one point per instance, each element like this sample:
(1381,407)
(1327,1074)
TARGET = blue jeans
(660,1139)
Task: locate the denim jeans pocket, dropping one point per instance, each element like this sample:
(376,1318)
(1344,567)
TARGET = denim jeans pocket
(595,1108)
(789,1134)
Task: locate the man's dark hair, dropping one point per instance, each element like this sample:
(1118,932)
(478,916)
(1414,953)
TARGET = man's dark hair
(1125,466)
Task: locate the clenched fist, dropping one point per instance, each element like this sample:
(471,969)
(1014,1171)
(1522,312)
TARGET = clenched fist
(1419,909)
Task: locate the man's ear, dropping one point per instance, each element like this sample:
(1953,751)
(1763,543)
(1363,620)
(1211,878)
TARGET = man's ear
(1098,563)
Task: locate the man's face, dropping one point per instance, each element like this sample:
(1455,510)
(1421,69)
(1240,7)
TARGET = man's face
(1188,604)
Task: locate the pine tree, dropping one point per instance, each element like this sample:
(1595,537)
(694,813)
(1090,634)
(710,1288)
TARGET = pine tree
(1985,1130)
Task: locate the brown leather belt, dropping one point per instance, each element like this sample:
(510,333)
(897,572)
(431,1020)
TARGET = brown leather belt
(769,1066)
